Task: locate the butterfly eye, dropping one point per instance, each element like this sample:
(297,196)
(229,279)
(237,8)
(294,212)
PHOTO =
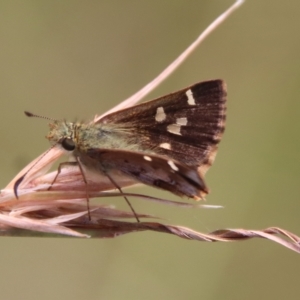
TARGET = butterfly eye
(68,144)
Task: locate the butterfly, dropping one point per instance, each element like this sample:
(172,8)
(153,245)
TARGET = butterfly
(167,143)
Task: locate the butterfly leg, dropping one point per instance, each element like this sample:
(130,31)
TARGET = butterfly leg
(120,190)
(75,163)
(67,163)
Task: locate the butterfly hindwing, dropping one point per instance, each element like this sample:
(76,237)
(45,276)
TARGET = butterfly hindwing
(153,170)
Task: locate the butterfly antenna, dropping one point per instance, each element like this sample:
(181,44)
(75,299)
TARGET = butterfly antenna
(29,114)
(126,199)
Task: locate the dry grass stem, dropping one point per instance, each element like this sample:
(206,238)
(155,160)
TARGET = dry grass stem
(62,210)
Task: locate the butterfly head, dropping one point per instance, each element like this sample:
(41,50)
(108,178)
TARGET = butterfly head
(62,133)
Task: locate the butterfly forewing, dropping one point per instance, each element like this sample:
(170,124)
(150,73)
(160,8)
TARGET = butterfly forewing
(185,126)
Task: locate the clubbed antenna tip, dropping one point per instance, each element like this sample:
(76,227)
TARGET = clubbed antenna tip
(28,114)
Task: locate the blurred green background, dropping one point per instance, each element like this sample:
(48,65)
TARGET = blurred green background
(75,59)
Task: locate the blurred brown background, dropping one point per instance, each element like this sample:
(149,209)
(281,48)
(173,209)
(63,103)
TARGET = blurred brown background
(75,59)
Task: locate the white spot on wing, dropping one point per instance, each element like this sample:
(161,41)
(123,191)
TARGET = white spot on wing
(174,128)
(165,146)
(172,165)
(160,114)
(181,121)
(191,99)
(147,158)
